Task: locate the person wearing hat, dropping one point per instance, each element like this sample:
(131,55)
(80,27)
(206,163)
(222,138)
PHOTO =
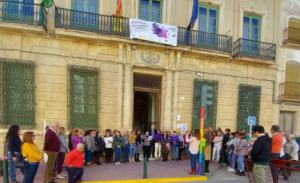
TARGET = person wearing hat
(291,149)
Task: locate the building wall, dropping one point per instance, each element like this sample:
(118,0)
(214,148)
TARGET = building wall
(118,58)
(289,9)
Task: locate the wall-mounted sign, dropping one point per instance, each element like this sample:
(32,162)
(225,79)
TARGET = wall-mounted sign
(152,31)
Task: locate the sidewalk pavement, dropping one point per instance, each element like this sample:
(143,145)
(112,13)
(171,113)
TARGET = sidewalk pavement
(156,169)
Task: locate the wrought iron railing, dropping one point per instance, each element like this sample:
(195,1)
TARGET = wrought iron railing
(291,35)
(289,91)
(254,49)
(21,12)
(205,40)
(91,22)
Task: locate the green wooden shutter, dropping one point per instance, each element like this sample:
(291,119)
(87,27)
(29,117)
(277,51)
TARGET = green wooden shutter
(211,110)
(248,105)
(83,98)
(17,90)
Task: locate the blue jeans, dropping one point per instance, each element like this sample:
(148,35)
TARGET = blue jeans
(118,151)
(186,150)
(12,165)
(30,172)
(126,153)
(230,158)
(174,151)
(193,158)
(88,156)
(240,161)
(132,150)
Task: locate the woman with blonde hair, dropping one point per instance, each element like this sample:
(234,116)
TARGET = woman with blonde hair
(76,138)
(32,155)
(62,152)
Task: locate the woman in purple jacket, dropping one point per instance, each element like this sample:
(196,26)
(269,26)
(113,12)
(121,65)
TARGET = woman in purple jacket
(174,141)
(76,138)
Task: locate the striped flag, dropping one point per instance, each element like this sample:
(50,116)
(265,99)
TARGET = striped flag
(194,17)
(118,27)
(119,9)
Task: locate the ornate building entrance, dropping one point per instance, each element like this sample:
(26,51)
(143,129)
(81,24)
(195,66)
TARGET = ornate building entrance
(147,100)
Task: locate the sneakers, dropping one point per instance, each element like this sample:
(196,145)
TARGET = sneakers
(118,163)
(229,169)
(59,176)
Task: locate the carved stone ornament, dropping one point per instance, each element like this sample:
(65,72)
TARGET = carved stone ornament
(150,58)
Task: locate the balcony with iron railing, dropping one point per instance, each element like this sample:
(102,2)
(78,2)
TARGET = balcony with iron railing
(22,13)
(254,49)
(91,22)
(291,36)
(205,40)
(289,91)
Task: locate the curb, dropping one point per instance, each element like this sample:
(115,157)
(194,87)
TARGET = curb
(156,180)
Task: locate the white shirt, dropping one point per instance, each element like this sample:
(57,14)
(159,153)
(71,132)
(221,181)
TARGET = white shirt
(194,145)
(282,147)
(108,142)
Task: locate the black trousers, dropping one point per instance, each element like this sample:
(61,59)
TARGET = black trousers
(180,153)
(146,151)
(74,174)
(152,144)
(108,155)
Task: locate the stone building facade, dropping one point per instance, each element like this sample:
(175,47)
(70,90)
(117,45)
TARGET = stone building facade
(91,75)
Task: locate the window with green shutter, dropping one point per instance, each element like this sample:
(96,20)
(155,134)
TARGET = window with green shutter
(211,110)
(17,93)
(83,95)
(248,105)
(151,10)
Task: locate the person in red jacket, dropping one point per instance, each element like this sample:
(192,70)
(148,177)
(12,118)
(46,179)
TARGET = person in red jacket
(74,164)
(51,148)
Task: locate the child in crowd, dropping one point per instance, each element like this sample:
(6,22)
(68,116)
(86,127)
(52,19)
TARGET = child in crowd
(118,143)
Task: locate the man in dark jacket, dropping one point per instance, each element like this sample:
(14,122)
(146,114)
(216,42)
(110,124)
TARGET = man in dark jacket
(260,154)
(51,148)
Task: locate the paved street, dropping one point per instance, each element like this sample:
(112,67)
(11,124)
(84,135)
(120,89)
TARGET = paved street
(156,169)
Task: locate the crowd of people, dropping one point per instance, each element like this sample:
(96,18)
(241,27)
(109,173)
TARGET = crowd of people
(233,147)
(66,155)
